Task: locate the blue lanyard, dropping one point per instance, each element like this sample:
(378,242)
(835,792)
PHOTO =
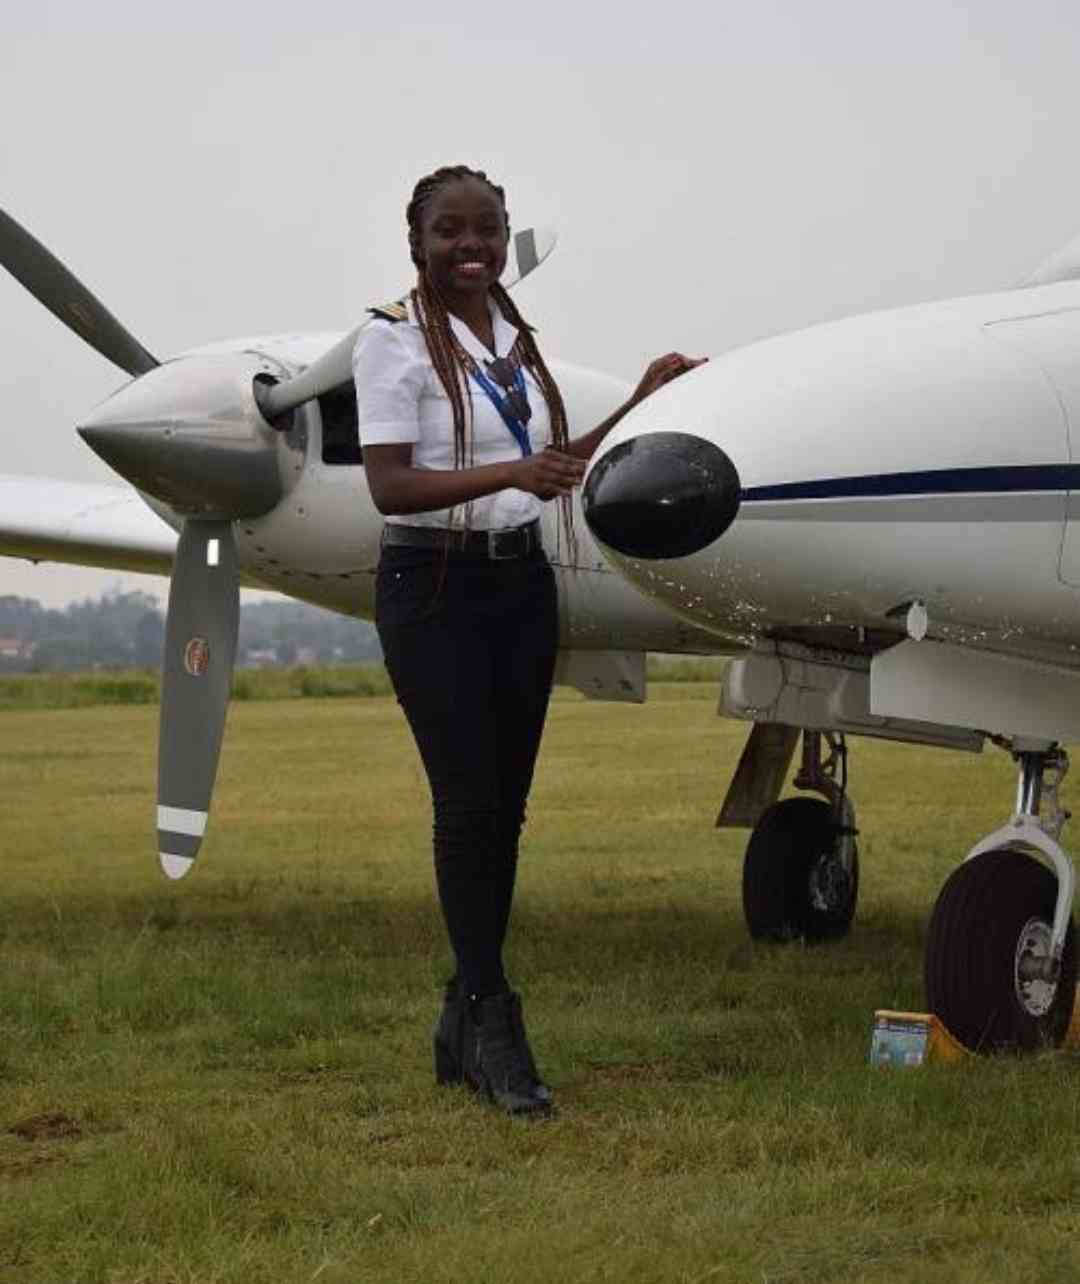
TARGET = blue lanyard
(517,428)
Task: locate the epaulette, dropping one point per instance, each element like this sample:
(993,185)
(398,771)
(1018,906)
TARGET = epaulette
(395,311)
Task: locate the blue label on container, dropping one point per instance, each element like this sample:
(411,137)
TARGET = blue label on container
(896,1044)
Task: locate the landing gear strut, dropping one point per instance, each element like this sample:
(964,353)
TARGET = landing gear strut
(1001,947)
(801,873)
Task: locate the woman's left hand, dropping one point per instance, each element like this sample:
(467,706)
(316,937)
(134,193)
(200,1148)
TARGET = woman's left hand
(659,372)
(662,371)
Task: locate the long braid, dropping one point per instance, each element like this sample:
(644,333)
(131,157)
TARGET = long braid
(434,322)
(560,429)
(431,313)
(534,363)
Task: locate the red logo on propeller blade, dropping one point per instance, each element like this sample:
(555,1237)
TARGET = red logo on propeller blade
(197,657)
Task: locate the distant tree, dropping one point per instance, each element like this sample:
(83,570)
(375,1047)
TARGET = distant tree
(149,640)
(61,654)
(359,642)
(123,629)
(24,618)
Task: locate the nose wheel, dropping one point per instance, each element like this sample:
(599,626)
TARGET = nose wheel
(801,872)
(1001,945)
(796,885)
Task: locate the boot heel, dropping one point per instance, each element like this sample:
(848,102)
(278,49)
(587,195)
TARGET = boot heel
(503,1068)
(447,1067)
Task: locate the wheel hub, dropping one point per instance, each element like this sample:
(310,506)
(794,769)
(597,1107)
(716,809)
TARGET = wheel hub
(1032,966)
(830,884)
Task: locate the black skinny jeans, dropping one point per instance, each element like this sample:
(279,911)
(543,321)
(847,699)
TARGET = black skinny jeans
(469,644)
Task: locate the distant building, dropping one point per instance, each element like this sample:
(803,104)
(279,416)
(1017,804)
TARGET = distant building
(14,649)
(260,658)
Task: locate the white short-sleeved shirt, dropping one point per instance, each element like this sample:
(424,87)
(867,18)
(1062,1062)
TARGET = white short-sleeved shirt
(400,399)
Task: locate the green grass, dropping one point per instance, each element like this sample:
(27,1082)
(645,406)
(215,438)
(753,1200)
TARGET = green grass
(143,686)
(77,690)
(229,1079)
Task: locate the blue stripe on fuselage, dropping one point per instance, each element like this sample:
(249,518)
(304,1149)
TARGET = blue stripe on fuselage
(1010,479)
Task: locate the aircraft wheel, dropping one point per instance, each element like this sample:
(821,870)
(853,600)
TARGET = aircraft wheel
(990,927)
(794,883)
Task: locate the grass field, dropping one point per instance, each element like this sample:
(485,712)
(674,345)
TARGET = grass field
(228,1080)
(298,682)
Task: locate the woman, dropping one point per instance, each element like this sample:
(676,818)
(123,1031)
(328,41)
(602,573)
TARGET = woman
(465,436)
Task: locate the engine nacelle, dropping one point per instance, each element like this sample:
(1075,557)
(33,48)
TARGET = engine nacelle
(824,691)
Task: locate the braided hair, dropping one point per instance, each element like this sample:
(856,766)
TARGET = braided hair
(434,321)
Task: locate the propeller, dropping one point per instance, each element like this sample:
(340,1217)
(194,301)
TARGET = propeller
(196,434)
(190,433)
(67,298)
(212,475)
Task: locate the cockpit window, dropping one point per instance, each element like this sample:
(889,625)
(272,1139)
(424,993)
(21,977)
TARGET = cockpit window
(340,438)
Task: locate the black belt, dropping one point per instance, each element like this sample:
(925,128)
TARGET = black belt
(499,545)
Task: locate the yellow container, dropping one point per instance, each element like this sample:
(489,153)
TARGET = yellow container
(911,1039)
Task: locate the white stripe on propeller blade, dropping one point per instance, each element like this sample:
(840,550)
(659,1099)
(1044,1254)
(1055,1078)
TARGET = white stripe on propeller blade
(179,820)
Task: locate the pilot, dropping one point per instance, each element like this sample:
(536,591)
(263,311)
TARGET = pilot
(465,438)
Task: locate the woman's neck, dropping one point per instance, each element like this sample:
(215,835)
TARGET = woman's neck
(476,314)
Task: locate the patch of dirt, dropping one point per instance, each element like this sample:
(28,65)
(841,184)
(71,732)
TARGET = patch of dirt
(48,1126)
(26,1166)
(385,1138)
(631,1070)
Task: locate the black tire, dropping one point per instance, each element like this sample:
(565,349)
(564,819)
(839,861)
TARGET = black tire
(794,887)
(972,945)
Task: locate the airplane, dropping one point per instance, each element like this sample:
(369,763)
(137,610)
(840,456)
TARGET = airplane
(874,517)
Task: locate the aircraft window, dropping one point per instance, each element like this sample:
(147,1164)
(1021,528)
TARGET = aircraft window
(340,443)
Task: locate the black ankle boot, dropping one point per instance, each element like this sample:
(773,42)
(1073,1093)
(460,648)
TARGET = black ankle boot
(502,1067)
(542,1090)
(453,1035)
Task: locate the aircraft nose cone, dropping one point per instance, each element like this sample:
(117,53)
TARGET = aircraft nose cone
(661,495)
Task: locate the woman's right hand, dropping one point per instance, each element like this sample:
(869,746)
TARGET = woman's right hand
(548,473)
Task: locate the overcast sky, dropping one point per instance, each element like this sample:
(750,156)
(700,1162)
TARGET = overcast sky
(718,172)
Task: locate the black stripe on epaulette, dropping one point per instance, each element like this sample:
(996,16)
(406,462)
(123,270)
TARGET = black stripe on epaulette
(396,311)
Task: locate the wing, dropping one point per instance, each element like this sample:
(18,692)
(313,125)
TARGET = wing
(44,520)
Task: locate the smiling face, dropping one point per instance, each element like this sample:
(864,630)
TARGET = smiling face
(463,240)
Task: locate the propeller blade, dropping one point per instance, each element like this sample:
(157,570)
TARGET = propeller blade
(200,648)
(527,250)
(67,298)
(330,370)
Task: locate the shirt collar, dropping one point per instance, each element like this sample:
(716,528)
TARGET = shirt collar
(505,334)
